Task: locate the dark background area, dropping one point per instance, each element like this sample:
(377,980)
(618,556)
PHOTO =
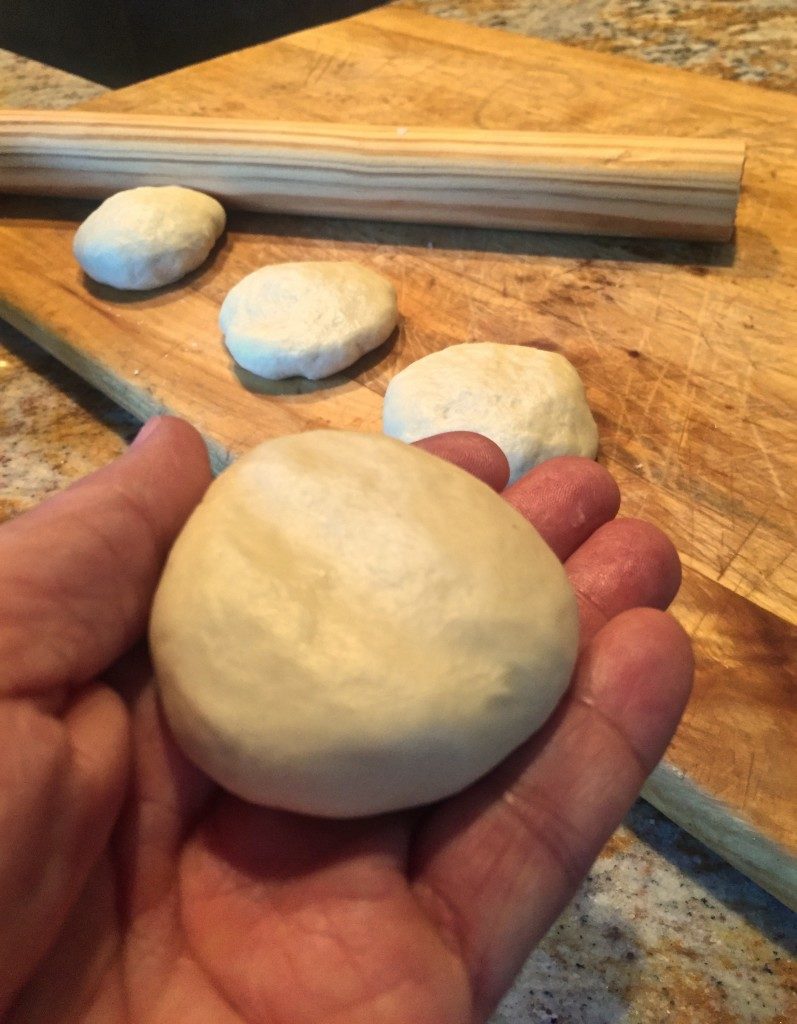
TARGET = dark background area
(117,42)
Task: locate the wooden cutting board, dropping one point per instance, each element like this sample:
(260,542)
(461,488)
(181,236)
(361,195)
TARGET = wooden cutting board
(687,350)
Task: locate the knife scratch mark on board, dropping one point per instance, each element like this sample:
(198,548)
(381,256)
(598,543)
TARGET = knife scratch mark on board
(653,388)
(773,473)
(749,778)
(589,333)
(741,391)
(729,561)
(745,584)
(680,447)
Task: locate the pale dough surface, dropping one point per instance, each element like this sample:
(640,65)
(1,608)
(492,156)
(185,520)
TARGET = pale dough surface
(334,635)
(308,319)
(529,401)
(148,237)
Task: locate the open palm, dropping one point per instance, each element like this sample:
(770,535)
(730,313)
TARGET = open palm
(133,889)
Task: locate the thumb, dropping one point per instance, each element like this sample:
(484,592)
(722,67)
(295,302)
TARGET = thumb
(77,573)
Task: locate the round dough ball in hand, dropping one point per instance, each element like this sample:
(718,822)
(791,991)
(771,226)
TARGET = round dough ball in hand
(529,401)
(148,237)
(349,625)
(307,319)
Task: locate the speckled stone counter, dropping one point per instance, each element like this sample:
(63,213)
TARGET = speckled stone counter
(662,929)
(743,40)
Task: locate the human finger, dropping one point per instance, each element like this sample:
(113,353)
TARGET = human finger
(473,452)
(495,865)
(566,499)
(626,563)
(77,573)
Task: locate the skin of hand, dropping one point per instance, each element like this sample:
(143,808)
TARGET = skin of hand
(133,890)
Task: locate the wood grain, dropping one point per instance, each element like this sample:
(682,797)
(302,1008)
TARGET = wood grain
(648,187)
(687,350)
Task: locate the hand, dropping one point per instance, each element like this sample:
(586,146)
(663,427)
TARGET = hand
(133,889)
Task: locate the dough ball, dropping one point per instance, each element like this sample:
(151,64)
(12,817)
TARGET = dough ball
(147,237)
(349,625)
(530,402)
(307,319)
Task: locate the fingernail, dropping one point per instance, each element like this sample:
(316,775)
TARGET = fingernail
(149,428)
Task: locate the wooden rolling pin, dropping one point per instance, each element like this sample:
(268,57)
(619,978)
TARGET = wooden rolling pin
(658,187)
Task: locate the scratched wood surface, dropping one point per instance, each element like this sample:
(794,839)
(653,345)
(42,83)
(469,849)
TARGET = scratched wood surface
(687,350)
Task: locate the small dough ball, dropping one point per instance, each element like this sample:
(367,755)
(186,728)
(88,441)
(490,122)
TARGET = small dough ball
(349,625)
(529,401)
(147,237)
(307,319)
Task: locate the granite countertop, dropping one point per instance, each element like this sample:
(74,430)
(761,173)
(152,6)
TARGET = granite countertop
(662,929)
(741,40)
